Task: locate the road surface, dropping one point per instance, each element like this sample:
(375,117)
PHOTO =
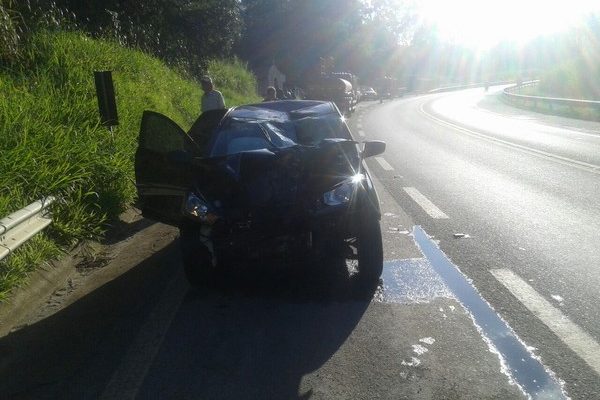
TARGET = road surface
(524,187)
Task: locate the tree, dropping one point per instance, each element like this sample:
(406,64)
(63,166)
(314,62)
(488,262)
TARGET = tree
(297,34)
(190,30)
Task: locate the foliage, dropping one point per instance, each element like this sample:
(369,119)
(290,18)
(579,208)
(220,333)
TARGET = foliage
(51,140)
(184,32)
(297,34)
(577,76)
(10,31)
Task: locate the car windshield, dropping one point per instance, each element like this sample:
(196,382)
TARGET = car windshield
(312,130)
(238,136)
(241,135)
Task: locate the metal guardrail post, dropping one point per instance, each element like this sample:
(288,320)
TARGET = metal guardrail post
(22,225)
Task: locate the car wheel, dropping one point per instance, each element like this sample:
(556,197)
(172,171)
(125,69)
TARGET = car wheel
(370,250)
(196,258)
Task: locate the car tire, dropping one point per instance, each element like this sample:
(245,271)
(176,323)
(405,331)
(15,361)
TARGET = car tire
(196,258)
(370,250)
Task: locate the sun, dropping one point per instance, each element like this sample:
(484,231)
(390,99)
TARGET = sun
(484,23)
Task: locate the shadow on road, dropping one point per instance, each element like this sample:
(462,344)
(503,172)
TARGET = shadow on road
(254,335)
(258,333)
(84,341)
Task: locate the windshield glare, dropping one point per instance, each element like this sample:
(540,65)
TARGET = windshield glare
(240,136)
(310,131)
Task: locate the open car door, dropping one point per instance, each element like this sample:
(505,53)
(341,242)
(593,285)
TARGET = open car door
(162,165)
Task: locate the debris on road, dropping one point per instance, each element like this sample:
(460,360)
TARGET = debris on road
(393,229)
(461,236)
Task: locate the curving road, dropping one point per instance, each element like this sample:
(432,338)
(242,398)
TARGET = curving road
(525,189)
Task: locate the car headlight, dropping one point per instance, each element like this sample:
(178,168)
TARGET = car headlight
(344,192)
(196,208)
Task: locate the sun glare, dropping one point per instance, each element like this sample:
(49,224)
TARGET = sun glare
(484,23)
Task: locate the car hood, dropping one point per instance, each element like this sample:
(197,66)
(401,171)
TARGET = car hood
(286,180)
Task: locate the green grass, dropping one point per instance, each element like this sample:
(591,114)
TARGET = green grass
(52,143)
(575,79)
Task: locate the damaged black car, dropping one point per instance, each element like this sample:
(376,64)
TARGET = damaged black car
(276,180)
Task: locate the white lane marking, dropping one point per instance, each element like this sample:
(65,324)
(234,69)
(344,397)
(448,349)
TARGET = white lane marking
(129,376)
(425,204)
(593,168)
(359,125)
(361,133)
(384,164)
(571,334)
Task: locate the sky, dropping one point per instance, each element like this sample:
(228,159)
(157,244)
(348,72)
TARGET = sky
(484,23)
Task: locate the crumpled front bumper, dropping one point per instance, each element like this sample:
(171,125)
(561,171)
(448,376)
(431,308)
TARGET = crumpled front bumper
(288,237)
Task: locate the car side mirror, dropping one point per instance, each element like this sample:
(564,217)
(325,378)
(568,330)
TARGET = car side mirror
(373,148)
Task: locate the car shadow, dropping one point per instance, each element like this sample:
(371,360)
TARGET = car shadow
(254,334)
(258,333)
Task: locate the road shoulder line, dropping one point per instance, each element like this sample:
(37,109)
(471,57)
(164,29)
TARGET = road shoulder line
(130,374)
(531,151)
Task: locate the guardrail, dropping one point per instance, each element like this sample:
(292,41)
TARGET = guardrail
(550,103)
(468,86)
(22,225)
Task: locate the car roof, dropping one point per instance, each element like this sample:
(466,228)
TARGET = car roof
(283,110)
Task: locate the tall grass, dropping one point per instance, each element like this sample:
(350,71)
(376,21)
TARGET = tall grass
(576,79)
(10,31)
(51,142)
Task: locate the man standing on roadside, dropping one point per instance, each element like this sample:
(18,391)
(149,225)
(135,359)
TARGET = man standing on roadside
(211,99)
(271,94)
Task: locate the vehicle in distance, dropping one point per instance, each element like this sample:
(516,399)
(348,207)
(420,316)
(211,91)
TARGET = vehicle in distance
(269,180)
(335,89)
(368,93)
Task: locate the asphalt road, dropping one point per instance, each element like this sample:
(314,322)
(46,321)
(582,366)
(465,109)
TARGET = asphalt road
(525,188)
(520,318)
(134,329)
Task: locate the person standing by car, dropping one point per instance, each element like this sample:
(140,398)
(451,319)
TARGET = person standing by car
(271,94)
(212,99)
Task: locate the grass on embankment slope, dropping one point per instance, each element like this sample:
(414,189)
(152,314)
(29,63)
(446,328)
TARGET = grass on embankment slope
(51,142)
(573,79)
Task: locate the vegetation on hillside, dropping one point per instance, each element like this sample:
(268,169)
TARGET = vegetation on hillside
(184,32)
(575,79)
(52,143)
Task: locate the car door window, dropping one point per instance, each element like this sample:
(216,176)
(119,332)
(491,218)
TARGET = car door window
(160,135)
(203,129)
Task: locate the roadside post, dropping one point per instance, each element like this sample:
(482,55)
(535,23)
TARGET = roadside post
(107,104)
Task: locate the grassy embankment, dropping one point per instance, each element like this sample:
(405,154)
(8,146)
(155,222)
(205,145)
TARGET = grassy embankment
(51,142)
(575,79)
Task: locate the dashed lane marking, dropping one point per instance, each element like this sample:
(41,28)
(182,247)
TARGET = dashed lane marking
(361,133)
(359,125)
(570,333)
(425,203)
(384,164)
